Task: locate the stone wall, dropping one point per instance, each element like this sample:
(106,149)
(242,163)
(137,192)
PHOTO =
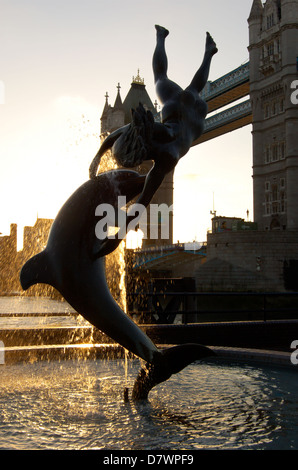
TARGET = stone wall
(250,261)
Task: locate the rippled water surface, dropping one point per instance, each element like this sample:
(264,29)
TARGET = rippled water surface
(213,405)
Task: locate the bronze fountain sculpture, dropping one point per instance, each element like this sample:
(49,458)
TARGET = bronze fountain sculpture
(73,260)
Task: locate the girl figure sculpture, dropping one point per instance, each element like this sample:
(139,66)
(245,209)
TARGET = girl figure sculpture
(182,122)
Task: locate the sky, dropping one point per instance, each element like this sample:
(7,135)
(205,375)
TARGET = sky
(58,60)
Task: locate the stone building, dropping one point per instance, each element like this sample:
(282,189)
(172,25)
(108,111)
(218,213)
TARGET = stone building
(254,261)
(273,39)
(12,260)
(34,241)
(265,258)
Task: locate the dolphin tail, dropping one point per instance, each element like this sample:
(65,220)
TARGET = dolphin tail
(36,270)
(170,361)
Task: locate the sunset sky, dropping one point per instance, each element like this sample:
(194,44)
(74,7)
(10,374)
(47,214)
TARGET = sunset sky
(58,60)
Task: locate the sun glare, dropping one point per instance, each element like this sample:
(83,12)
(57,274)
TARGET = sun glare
(134,239)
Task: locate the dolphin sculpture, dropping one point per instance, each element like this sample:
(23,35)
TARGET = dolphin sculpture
(73,263)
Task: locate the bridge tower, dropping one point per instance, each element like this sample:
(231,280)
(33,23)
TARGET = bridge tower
(273,39)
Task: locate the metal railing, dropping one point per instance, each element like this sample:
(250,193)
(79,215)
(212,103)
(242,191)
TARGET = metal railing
(229,115)
(200,307)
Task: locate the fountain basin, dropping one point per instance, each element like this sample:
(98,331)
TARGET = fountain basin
(218,404)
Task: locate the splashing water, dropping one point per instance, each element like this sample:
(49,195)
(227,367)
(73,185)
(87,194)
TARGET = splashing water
(116,265)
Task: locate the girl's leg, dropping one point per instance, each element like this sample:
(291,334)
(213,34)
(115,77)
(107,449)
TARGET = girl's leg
(160,60)
(165,88)
(201,77)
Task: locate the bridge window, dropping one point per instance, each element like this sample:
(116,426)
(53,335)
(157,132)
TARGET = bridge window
(275,208)
(267,154)
(282,202)
(274,193)
(273,109)
(275,196)
(275,153)
(270,48)
(270,21)
(282,150)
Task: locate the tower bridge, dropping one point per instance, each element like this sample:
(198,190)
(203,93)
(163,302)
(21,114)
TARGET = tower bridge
(220,93)
(226,121)
(228,88)
(256,93)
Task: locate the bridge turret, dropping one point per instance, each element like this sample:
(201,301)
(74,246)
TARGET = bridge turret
(255,30)
(255,21)
(273,57)
(288,11)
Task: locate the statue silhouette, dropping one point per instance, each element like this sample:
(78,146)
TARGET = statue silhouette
(73,260)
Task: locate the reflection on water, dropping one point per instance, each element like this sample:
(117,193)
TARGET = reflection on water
(79,405)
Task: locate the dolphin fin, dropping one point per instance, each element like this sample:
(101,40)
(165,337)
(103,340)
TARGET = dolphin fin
(170,361)
(36,270)
(105,146)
